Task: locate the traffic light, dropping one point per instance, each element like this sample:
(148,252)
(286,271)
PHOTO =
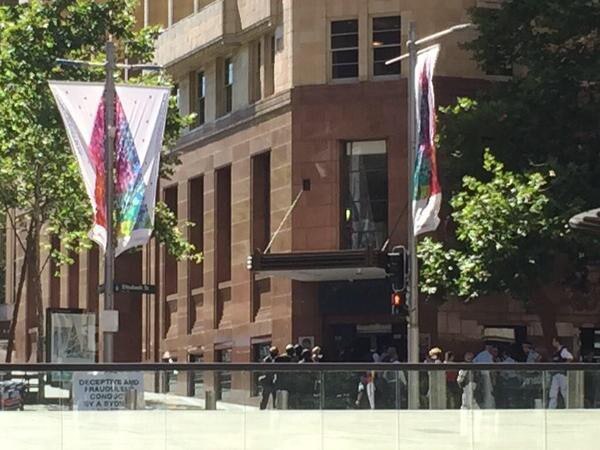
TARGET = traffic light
(396,268)
(398,303)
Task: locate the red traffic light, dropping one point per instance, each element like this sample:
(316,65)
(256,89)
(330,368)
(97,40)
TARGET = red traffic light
(397,299)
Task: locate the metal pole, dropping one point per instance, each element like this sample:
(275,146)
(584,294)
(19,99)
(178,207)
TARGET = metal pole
(432,37)
(170,13)
(146,13)
(109,151)
(413,294)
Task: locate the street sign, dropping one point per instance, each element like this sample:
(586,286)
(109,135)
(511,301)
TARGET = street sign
(133,288)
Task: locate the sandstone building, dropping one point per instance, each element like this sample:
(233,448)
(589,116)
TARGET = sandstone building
(289,95)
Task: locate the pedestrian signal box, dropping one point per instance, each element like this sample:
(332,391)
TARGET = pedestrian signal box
(397,268)
(398,303)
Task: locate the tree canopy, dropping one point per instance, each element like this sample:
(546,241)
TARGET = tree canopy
(508,229)
(38,173)
(40,185)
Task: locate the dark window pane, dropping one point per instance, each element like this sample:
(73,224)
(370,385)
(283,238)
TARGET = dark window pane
(380,212)
(223,378)
(381,69)
(228,99)
(345,71)
(386,53)
(201,112)
(345,57)
(387,37)
(344,26)
(386,23)
(376,186)
(344,41)
(371,162)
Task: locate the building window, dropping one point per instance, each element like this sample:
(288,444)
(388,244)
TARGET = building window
(261,200)
(170,262)
(223,224)
(170,378)
(365,194)
(260,350)
(386,45)
(228,85)
(93,279)
(344,49)
(223,377)
(255,71)
(196,378)
(198,97)
(196,236)
(73,282)
(269,64)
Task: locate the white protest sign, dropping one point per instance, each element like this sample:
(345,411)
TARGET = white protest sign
(103,391)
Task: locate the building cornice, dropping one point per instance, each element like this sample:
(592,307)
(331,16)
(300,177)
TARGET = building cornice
(234,122)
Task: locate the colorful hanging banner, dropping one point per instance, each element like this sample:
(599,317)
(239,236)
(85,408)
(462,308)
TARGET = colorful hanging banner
(427,196)
(140,115)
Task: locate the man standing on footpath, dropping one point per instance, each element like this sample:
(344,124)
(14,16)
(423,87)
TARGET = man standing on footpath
(559,379)
(267,381)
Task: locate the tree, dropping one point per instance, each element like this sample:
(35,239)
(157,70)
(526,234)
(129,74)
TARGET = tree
(508,231)
(40,186)
(2,259)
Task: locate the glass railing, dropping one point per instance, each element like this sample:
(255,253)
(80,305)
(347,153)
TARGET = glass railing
(293,406)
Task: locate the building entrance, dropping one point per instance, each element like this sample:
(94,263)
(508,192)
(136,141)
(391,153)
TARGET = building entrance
(357,321)
(362,342)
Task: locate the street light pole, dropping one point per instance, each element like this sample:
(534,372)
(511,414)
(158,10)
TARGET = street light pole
(413,267)
(413,285)
(108,322)
(109,150)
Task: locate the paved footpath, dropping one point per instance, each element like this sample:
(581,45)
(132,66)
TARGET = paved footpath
(249,429)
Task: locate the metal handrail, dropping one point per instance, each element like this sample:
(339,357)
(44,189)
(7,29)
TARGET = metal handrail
(293,367)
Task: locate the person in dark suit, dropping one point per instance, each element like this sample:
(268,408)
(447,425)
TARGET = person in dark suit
(285,380)
(267,381)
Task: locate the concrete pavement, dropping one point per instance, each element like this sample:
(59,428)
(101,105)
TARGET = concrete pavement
(249,429)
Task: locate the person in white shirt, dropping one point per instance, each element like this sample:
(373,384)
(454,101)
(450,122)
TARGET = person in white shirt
(559,379)
(487,356)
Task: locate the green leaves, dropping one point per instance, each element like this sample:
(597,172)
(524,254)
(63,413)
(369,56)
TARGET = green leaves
(509,230)
(496,221)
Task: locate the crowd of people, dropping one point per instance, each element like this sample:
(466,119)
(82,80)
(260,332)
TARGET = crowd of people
(296,387)
(487,389)
(465,388)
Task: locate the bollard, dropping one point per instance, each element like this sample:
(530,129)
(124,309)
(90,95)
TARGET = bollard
(210,400)
(281,399)
(575,388)
(131,399)
(437,389)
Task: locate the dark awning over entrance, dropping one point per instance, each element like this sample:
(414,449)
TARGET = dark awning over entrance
(587,221)
(341,265)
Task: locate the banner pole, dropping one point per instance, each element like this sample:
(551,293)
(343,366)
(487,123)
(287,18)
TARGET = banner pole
(413,285)
(109,150)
